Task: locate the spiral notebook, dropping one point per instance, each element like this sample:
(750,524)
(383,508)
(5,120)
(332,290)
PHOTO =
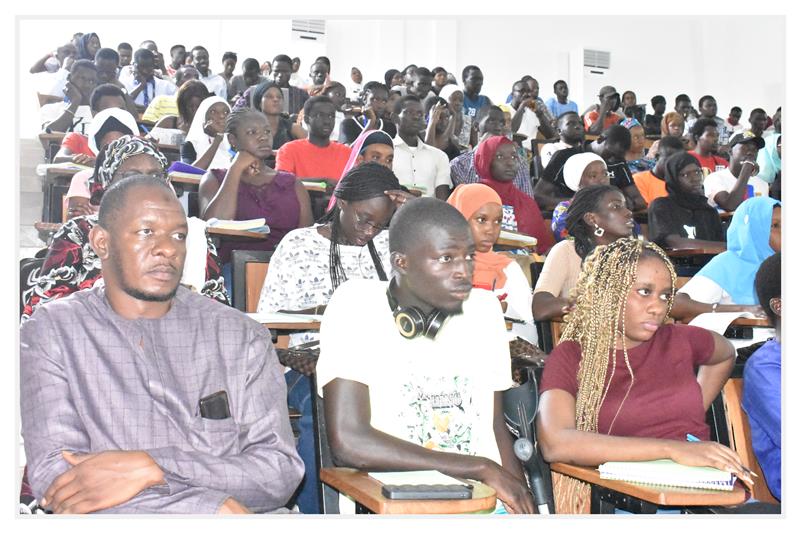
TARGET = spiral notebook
(667,473)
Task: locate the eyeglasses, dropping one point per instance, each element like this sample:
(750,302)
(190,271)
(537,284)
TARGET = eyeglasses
(363,223)
(695,174)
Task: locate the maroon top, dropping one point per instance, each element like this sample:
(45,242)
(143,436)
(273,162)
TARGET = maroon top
(276,202)
(665,401)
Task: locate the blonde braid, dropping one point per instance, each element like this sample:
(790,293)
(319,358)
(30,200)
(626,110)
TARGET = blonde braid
(601,296)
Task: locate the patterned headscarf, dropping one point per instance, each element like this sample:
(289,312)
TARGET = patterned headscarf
(113,156)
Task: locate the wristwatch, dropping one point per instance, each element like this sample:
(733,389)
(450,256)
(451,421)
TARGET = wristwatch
(714,307)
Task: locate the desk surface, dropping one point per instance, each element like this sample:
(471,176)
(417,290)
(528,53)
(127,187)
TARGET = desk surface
(237,233)
(752,322)
(655,494)
(187,179)
(688,252)
(367,491)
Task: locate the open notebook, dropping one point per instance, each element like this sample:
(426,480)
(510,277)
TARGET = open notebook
(667,473)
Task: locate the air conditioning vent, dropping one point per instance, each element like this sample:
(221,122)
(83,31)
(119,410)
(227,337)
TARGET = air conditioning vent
(308,29)
(596,59)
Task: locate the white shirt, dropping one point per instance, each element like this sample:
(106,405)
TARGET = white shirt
(437,393)
(424,166)
(159,87)
(296,80)
(520,300)
(216,84)
(51,83)
(80,122)
(551,148)
(528,126)
(724,180)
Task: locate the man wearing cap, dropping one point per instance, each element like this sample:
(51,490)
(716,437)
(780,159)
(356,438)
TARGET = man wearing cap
(605,114)
(729,187)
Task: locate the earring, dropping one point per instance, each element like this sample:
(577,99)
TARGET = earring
(598,231)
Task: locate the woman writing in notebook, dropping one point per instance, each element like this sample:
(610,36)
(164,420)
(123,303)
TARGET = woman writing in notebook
(621,385)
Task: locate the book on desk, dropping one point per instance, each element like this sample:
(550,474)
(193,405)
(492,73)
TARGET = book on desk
(664,472)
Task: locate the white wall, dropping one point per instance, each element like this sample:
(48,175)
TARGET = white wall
(649,54)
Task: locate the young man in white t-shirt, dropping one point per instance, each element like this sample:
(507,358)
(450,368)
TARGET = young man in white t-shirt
(729,187)
(396,400)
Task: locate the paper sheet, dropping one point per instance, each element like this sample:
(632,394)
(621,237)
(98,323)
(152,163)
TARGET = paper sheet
(415,477)
(718,322)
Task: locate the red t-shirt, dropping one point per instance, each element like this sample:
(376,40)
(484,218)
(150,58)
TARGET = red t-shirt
(665,401)
(306,160)
(609,120)
(77,143)
(710,161)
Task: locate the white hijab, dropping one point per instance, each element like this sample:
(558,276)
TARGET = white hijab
(201,140)
(575,165)
(100,118)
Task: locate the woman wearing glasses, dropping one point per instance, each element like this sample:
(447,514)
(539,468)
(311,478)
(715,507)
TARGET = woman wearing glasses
(683,218)
(310,263)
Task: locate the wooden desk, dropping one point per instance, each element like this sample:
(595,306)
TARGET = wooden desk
(366,491)
(317,186)
(689,252)
(237,233)
(752,322)
(282,330)
(666,496)
(186,179)
(48,139)
(514,243)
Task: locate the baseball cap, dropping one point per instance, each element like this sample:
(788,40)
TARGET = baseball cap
(746,137)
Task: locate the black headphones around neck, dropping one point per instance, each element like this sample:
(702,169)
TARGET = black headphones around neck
(411,322)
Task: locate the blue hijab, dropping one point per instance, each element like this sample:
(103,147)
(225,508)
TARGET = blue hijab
(748,247)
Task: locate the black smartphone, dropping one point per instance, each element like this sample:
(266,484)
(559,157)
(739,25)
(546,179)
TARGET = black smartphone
(215,406)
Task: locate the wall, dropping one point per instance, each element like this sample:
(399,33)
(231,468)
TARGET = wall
(649,54)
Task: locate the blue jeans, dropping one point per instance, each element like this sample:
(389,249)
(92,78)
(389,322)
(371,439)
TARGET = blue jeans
(227,274)
(299,396)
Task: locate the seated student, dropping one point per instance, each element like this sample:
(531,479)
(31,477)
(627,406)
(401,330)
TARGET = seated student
(733,121)
(177,55)
(416,164)
(497,163)
(250,189)
(726,282)
(630,109)
(762,380)
(439,133)
(652,123)
(463,127)
(372,116)
(251,75)
(74,113)
(683,218)
(74,145)
(607,109)
(614,144)
(499,273)
(531,117)
(124,436)
(559,104)
(268,98)
(570,133)
(317,156)
(206,145)
(590,411)
(580,170)
(726,189)
(142,85)
(672,125)
(311,262)
(705,135)
(462,168)
(72,264)
(338,95)
(281,73)
(107,126)
(373,146)
(163,109)
(187,100)
(596,216)
(651,182)
(229,60)
(433,399)
(635,157)
(216,84)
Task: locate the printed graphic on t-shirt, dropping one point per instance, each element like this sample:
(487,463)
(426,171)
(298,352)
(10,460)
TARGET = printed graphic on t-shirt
(509,222)
(438,413)
(690,231)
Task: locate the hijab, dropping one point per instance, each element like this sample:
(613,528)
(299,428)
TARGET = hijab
(768,159)
(259,92)
(673,166)
(108,120)
(83,46)
(529,218)
(489,266)
(366,138)
(110,159)
(748,246)
(447,91)
(576,164)
(201,140)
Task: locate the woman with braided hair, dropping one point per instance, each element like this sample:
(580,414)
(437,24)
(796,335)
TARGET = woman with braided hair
(621,385)
(310,263)
(598,214)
